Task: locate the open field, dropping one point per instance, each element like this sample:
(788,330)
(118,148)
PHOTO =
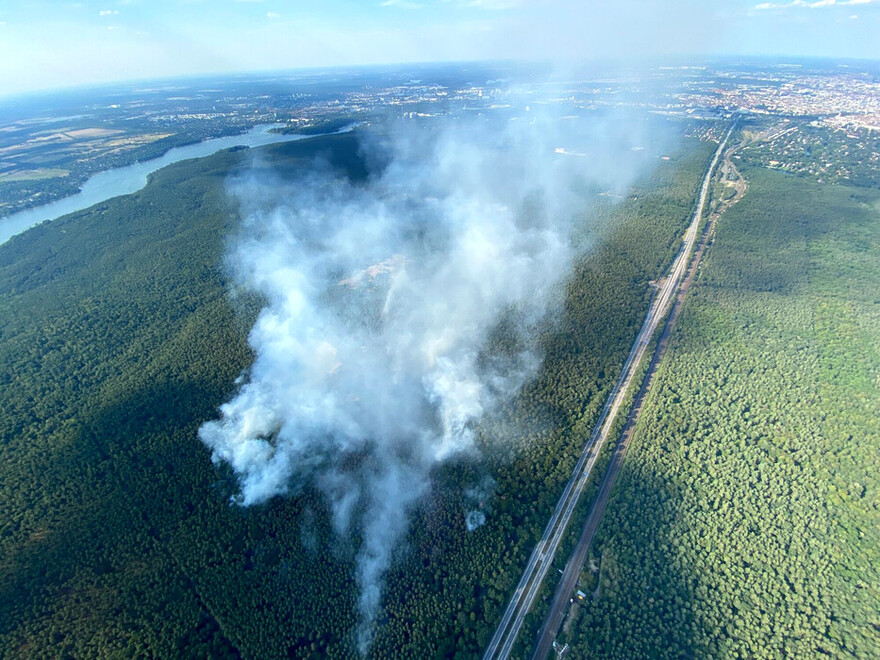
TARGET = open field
(32,175)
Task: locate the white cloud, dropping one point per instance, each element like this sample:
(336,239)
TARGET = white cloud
(491,5)
(817,4)
(108,12)
(494,4)
(271,15)
(403,4)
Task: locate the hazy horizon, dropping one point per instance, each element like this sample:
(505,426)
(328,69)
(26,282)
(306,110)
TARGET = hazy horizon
(130,40)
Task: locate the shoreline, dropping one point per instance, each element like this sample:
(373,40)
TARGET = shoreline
(129,179)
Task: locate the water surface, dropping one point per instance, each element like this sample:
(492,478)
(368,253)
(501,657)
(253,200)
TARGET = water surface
(131,178)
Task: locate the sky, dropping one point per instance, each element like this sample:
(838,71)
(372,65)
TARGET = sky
(46,44)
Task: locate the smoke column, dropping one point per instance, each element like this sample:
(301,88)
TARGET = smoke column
(372,353)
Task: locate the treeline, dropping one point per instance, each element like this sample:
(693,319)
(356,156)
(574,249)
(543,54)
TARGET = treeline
(745,521)
(119,339)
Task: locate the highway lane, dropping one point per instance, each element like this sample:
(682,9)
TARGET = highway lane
(561,598)
(542,557)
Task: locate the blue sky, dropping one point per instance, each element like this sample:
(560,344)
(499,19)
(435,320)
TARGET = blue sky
(51,43)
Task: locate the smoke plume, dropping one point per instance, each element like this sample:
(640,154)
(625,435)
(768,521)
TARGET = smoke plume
(375,354)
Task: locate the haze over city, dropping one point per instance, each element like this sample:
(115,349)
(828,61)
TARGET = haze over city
(46,44)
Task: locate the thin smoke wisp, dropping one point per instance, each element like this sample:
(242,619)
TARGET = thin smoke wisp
(373,356)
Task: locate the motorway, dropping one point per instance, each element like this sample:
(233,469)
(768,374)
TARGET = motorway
(561,598)
(542,557)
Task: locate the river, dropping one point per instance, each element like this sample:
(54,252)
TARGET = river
(126,180)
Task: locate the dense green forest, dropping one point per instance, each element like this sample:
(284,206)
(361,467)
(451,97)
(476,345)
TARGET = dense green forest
(120,337)
(745,520)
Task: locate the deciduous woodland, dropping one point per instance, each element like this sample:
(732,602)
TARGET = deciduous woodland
(745,521)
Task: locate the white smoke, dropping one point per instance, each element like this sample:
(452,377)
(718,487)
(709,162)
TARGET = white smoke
(476,502)
(373,360)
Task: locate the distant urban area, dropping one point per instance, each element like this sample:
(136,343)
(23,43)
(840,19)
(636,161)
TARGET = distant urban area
(801,113)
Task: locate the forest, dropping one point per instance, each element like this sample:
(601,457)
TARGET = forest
(745,520)
(120,337)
